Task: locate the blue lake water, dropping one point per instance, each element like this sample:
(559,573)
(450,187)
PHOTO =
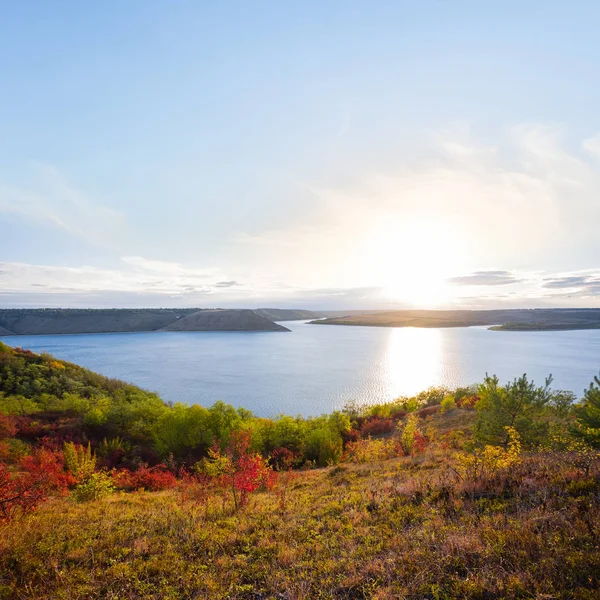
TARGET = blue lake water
(318,368)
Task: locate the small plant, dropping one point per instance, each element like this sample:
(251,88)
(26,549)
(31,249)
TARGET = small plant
(447,404)
(411,439)
(79,461)
(96,486)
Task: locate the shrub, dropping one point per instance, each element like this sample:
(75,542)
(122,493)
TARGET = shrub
(41,475)
(486,462)
(377,426)
(7,426)
(447,404)
(369,450)
(407,436)
(467,402)
(152,479)
(96,486)
(283,459)
(238,468)
(79,460)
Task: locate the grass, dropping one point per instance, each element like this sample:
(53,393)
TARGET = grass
(402,528)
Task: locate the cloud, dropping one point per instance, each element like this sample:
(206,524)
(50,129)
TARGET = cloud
(565,282)
(135,275)
(581,286)
(486,278)
(52,200)
(592,145)
(517,203)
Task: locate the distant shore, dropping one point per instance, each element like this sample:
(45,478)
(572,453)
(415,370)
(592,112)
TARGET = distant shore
(547,319)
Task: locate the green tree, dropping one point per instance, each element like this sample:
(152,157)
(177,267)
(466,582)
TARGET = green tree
(519,404)
(181,429)
(588,414)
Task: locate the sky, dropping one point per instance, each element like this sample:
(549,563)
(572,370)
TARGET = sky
(333,155)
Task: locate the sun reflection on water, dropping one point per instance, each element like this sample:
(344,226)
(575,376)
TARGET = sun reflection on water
(413,360)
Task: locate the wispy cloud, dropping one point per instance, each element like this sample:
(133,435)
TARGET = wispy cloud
(518,204)
(484,278)
(52,200)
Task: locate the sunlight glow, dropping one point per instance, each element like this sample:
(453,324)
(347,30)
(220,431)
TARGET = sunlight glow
(413,360)
(411,260)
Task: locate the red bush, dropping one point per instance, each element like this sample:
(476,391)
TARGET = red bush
(377,426)
(152,479)
(42,474)
(245,471)
(420,443)
(350,436)
(283,459)
(8,426)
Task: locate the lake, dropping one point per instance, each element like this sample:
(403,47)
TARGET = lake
(318,368)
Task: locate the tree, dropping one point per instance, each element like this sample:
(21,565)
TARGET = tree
(588,414)
(239,469)
(519,404)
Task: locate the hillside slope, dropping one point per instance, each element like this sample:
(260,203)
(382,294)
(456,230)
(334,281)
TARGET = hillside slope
(70,321)
(224,320)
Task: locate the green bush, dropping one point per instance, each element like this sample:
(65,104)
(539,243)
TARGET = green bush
(448,403)
(98,485)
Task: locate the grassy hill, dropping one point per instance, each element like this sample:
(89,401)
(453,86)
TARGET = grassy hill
(24,321)
(483,493)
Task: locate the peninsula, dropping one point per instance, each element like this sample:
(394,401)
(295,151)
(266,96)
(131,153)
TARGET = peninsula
(539,319)
(65,321)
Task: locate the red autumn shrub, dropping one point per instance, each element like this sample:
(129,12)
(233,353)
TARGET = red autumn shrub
(350,436)
(8,427)
(152,479)
(195,487)
(240,469)
(283,459)
(398,414)
(42,474)
(377,426)
(420,443)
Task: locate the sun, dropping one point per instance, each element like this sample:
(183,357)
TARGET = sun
(411,261)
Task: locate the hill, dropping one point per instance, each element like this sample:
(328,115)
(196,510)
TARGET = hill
(504,320)
(224,320)
(69,321)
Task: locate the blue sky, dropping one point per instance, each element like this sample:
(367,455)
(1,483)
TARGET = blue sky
(319,154)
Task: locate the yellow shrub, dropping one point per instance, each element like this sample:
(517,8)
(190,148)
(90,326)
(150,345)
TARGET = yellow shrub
(489,460)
